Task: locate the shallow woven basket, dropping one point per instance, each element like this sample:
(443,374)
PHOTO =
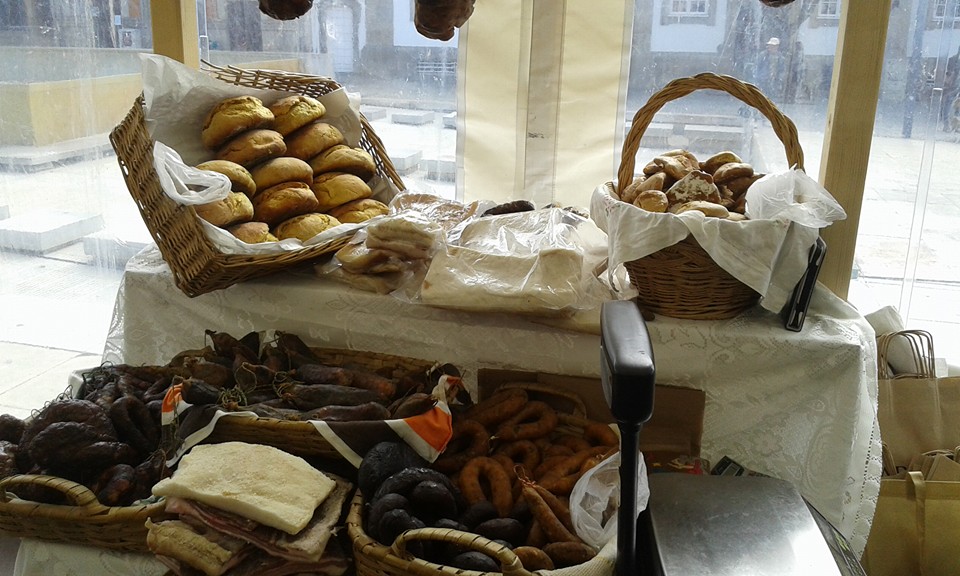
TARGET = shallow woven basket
(374,559)
(682,281)
(197,264)
(302,438)
(84,521)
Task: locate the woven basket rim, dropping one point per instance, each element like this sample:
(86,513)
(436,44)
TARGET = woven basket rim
(747,93)
(198,266)
(392,561)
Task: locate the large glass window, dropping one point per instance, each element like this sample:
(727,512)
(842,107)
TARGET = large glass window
(405,83)
(70,71)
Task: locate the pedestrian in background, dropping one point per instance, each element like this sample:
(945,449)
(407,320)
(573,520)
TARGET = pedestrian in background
(769,69)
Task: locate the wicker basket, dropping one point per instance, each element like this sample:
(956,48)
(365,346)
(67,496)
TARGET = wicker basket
(197,264)
(682,281)
(302,438)
(84,521)
(374,559)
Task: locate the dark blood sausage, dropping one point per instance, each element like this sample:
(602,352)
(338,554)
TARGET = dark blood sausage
(322,374)
(312,396)
(360,412)
(134,424)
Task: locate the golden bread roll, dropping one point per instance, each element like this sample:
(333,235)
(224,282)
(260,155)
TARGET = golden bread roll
(711,164)
(731,171)
(236,207)
(336,188)
(736,217)
(629,194)
(676,167)
(706,208)
(305,143)
(240,178)
(738,186)
(305,226)
(357,211)
(652,201)
(281,169)
(231,117)
(296,111)
(252,147)
(283,201)
(696,185)
(342,158)
(252,232)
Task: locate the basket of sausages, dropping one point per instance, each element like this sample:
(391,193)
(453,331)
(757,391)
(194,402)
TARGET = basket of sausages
(495,501)
(308,401)
(80,469)
(674,273)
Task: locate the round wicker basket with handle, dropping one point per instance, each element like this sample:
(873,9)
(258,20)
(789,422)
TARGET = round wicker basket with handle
(683,281)
(84,520)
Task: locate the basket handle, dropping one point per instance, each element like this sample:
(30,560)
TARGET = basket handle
(509,563)
(749,94)
(77,494)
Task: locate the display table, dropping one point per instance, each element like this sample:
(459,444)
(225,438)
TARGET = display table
(798,406)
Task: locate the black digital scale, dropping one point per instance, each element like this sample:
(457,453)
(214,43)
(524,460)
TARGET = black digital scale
(702,525)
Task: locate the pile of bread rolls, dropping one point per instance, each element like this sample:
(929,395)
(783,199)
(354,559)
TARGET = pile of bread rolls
(677,182)
(292,174)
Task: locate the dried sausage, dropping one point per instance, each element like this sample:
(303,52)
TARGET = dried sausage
(533,558)
(534,420)
(552,527)
(502,405)
(566,554)
(470,439)
(485,470)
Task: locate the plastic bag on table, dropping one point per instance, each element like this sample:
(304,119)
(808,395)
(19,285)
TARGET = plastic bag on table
(541,262)
(595,500)
(793,196)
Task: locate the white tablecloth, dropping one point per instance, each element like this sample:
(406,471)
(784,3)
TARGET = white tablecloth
(37,558)
(798,406)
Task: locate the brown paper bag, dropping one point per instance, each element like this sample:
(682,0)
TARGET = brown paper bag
(916,529)
(918,412)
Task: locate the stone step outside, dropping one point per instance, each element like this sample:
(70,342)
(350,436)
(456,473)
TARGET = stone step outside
(41,231)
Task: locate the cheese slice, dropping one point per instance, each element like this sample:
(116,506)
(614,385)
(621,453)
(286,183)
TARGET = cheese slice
(262,483)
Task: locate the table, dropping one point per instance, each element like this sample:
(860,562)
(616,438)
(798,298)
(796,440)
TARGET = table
(798,406)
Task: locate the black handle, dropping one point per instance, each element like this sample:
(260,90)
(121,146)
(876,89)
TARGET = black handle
(628,377)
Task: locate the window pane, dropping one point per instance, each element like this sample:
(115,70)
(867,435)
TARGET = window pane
(907,245)
(787,52)
(67,221)
(406,84)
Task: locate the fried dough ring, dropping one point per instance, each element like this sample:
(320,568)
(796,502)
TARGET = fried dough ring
(470,439)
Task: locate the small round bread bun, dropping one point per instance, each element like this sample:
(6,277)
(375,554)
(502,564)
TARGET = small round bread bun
(336,188)
(231,117)
(357,211)
(305,226)
(652,201)
(313,139)
(252,232)
(236,207)
(296,111)
(342,158)
(252,147)
(281,169)
(707,208)
(283,201)
(240,178)
(731,171)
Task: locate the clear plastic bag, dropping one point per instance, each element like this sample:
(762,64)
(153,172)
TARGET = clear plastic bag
(185,184)
(793,196)
(595,500)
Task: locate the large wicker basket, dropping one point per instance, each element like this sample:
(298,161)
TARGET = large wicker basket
(83,521)
(374,559)
(197,264)
(302,438)
(682,281)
